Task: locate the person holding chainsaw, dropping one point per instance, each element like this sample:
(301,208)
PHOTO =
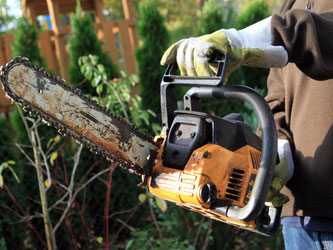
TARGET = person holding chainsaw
(297,45)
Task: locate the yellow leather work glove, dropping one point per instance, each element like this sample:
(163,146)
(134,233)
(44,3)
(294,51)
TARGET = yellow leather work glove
(282,174)
(251,46)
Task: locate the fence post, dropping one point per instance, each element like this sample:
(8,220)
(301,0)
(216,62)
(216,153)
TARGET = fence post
(128,52)
(47,51)
(5,56)
(29,10)
(9,39)
(59,37)
(129,15)
(110,40)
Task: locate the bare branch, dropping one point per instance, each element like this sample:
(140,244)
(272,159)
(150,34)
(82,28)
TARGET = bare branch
(24,122)
(90,180)
(50,238)
(25,154)
(28,218)
(11,210)
(11,196)
(207,234)
(155,220)
(120,101)
(58,201)
(198,232)
(123,226)
(72,196)
(76,163)
(125,211)
(40,149)
(133,229)
(63,186)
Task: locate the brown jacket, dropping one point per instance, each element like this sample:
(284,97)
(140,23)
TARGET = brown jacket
(303,106)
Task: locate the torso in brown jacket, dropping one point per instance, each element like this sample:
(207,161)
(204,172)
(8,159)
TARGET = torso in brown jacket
(302,106)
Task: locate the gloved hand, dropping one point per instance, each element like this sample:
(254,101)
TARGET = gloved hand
(251,46)
(282,174)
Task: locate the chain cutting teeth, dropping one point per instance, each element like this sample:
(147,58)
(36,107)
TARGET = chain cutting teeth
(65,131)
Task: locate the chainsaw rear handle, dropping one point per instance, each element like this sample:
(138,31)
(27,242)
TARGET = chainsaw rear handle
(269,146)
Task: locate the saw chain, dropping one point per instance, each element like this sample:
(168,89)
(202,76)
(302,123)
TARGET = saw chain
(73,114)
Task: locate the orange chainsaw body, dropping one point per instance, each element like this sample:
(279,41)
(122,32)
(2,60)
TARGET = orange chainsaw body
(232,173)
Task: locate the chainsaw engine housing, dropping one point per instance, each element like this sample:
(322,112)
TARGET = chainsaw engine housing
(207,160)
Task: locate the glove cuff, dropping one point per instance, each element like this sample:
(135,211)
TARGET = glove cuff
(284,151)
(258,36)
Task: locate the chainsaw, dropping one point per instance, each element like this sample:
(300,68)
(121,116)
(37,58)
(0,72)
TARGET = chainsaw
(211,165)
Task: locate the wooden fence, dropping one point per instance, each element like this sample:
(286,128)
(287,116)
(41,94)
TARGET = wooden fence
(5,56)
(118,37)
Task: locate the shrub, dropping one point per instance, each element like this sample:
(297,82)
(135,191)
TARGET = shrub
(256,11)
(154,38)
(25,43)
(83,41)
(215,16)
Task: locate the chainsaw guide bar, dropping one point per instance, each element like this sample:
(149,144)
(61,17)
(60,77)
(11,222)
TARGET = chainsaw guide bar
(75,115)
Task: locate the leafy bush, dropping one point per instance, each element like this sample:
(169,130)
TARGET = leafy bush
(12,193)
(256,11)
(214,17)
(134,224)
(25,43)
(83,41)
(154,40)
(115,94)
(211,18)
(5,19)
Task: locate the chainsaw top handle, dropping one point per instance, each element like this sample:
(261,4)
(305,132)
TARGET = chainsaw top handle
(207,87)
(209,81)
(171,79)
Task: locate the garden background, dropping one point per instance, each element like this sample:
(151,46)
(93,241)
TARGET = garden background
(56,194)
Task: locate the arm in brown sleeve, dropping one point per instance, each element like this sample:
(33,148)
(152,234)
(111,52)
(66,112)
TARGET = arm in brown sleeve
(307,37)
(276,101)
